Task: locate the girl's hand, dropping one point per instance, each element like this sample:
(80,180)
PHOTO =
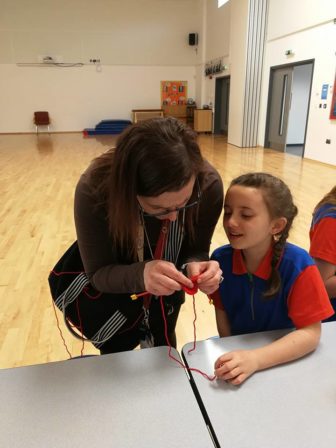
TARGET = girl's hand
(235,367)
(210,275)
(161,278)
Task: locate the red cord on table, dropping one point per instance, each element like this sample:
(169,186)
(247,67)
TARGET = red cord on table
(189,369)
(191,291)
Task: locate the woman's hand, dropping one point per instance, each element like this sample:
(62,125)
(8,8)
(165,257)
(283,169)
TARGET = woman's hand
(235,367)
(161,278)
(210,275)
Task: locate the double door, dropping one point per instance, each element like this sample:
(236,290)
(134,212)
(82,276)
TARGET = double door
(288,105)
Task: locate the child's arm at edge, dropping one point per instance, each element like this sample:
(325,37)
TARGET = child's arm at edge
(327,271)
(235,367)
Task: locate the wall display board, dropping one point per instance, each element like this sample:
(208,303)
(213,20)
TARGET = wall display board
(174,93)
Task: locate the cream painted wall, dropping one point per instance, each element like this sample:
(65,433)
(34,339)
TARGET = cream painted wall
(218,30)
(199,93)
(200,86)
(317,42)
(119,32)
(307,27)
(140,43)
(80,97)
(288,16)
(238,43)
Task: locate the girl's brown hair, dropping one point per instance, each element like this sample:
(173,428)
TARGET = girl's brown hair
(279,202)
(329,198)
(151,157)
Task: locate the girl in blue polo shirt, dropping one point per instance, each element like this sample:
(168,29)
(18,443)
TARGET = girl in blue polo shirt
(323,242)
(269,284)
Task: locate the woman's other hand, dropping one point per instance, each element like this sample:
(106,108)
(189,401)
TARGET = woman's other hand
(209,275)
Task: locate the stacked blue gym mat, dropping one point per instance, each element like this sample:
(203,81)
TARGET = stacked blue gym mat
(108,127)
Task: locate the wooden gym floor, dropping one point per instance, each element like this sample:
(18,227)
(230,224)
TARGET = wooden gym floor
(37,180)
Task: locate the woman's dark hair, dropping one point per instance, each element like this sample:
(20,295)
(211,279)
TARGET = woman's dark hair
(279,202)
(151,157)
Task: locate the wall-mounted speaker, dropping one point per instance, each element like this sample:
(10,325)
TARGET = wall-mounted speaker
(193,38)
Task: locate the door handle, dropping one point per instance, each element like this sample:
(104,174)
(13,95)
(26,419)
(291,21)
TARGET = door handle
(290,100)
(283,102)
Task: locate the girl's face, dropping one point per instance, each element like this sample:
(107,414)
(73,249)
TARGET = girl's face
(247,222)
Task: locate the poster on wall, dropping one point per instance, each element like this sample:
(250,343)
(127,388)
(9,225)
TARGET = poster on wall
(333,103)
(173,93)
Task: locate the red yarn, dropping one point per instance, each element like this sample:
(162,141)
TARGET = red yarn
(189,369)
(80,325)
(194,289)
(190,291)
(60,331)
(194,325)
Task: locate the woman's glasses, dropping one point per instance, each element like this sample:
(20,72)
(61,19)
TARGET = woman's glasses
(177,209)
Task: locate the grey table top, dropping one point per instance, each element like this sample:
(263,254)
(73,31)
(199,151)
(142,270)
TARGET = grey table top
(292,405)
(130,399)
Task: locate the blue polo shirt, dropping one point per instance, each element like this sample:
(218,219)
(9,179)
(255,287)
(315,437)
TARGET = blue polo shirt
(301,301)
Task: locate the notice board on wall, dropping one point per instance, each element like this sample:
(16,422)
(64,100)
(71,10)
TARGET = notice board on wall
(174,93)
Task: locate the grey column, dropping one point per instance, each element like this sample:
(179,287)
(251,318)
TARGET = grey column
(256,36)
